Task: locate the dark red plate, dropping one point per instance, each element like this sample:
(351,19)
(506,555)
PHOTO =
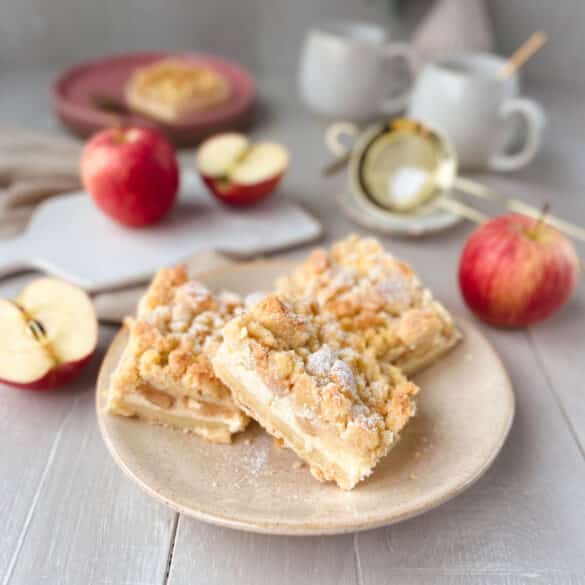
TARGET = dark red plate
(76,89)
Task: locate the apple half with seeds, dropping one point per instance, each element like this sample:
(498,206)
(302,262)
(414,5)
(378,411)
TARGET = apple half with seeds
(239,172)
(47,335)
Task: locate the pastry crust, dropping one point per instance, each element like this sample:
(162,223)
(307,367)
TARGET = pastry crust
(172,89)
(165,374)
(319,389)
(375,296)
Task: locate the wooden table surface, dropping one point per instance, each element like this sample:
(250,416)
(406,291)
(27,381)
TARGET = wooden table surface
(69,515)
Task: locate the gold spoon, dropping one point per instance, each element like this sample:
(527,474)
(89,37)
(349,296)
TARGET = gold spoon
(403,166)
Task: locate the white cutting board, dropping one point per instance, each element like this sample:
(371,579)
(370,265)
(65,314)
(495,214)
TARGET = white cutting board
(70,238)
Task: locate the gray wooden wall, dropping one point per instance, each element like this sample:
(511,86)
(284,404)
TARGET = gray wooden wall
(263,34)
(563,59)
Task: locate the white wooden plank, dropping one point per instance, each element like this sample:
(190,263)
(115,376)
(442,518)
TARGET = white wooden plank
(515,524)
(217,556)
(31,425)
(90,524)
(559,345)
(31,428)
(559,342)
(432,578)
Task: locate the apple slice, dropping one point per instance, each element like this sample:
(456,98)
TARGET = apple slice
(48,334)
(238,172)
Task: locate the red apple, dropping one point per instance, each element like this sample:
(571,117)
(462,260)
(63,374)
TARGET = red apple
(515,271)
(238,172)
(131,173)
(48,334)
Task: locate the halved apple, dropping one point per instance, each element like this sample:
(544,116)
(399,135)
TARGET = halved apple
(47,335)
(238,172)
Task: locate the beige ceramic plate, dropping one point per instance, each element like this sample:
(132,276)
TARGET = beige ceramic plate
(466,407)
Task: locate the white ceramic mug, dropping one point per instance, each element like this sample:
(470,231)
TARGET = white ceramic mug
(346,71)
(464,98)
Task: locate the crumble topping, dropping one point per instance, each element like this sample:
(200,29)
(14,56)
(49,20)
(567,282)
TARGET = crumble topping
(342,374)
(254,298)
(331,380)
(192,312)
(165,374)
(372,295)
(320,362)
(175,81)
(177,331)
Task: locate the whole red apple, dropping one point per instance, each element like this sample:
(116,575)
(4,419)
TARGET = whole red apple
(515,271)
(48,335)
(131,173)
(238,172)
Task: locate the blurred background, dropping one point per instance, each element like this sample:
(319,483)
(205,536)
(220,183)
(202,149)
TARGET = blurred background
(265,35)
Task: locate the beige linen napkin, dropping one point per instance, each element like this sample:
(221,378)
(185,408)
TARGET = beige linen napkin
(35,166)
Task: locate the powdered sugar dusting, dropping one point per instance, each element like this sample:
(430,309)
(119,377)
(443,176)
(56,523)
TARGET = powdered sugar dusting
(342,280)
(189,298)
(198,328)
(370,422)
(195,289)
(256,458)
(193,314)
(180,318)
(254,298)
(396,289)
(359,410)
(307,413)
(342,373)
(159,316)
(229,298)
(320,362)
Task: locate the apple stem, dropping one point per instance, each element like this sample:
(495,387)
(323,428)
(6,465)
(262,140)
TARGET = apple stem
(540,221)
(116,124)
(19,307)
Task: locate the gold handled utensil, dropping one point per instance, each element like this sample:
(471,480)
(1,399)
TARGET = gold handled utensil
(403,166)
(522,54)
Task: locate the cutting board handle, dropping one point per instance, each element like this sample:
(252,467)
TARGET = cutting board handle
(13,257)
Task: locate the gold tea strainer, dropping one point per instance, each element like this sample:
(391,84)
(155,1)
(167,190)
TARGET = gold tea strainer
(403,167)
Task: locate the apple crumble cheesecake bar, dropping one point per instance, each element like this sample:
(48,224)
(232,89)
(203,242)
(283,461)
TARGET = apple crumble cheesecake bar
(309,383)
(165,374)
(378,297)
(172,89)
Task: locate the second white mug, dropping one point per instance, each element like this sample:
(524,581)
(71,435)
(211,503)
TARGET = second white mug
(464,98)
(346,71)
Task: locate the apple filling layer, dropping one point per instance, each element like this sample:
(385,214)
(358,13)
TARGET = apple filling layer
(378,298)
(214,422)
(321,391)
(165,374)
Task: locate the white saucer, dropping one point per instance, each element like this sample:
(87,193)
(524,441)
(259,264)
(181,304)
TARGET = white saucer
(427,220)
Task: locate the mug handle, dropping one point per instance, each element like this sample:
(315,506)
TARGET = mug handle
(405,52)
(534,117)
(335,134)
